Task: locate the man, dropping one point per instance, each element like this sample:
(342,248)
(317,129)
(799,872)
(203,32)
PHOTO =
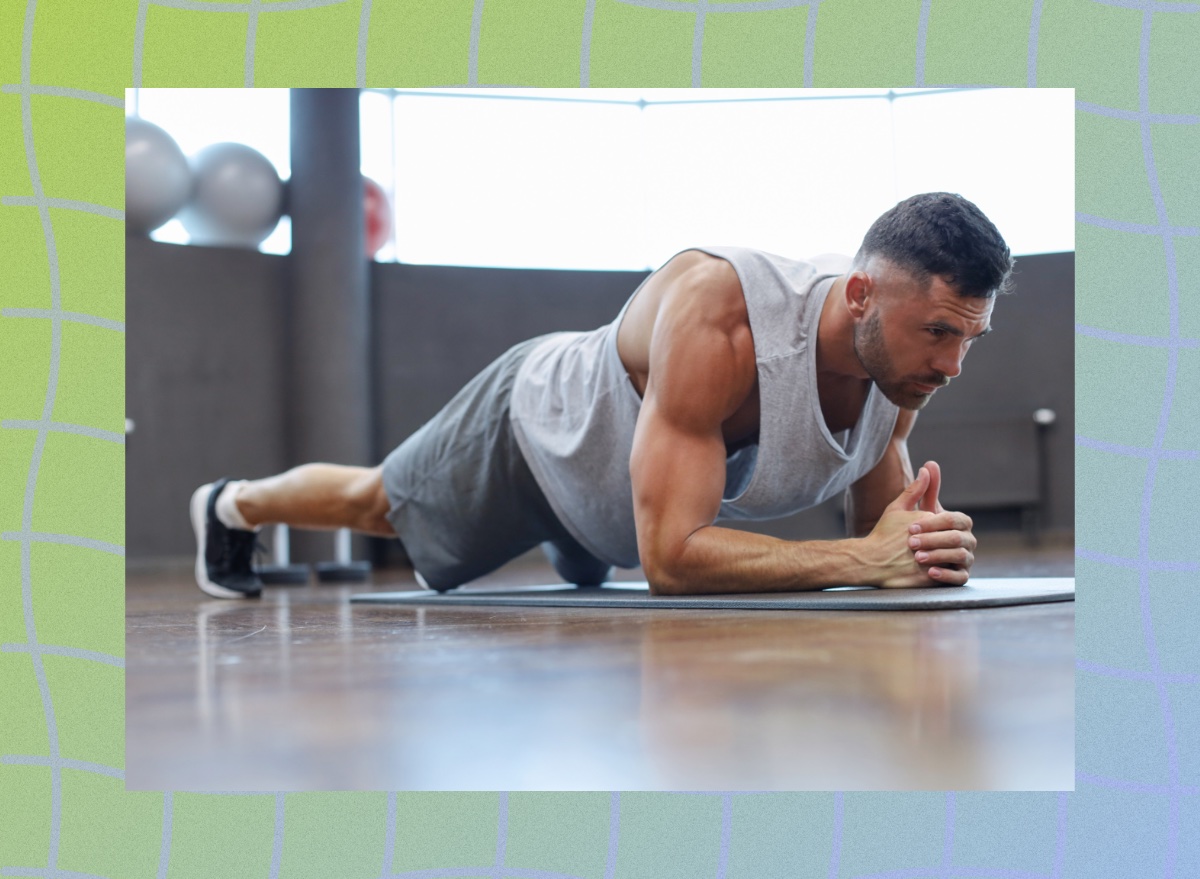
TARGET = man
(734,384)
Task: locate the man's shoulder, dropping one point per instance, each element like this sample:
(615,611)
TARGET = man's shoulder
(713,271)
(709,287)
(701,283)
(744,258)
(720,275)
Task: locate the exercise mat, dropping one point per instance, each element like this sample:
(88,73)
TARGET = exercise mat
(977,593)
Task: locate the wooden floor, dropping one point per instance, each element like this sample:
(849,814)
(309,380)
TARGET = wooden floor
(303,691)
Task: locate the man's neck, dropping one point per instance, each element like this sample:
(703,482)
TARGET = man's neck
(835,337)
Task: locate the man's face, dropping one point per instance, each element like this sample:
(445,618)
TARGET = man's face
(912,341)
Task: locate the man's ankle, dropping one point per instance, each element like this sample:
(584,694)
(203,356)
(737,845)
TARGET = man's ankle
(227,510)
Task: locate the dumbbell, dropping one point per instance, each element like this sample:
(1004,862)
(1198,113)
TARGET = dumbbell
(282,573)
(343,569)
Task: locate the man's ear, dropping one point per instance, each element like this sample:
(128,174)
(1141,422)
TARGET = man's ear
(858,293)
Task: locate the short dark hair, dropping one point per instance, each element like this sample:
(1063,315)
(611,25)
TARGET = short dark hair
(942,234)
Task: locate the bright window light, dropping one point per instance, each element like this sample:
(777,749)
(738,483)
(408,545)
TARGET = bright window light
(1011,151)
(517,183)
(795,179)
(624,178)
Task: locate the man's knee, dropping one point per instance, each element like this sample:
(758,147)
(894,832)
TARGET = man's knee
(575,564)
(369,503)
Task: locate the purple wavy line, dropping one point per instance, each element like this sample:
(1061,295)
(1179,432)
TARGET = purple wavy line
(726,834)
(1138,787)
(277,846)
(922,33)
(1136,228)
(1130,339)
(835,854)
(1135,451)
(1137,115)
(1159,436)
(1116,561)
(164,846)
(389,839)
(614,834)
(948,836)
(1128,674)
(1035,27)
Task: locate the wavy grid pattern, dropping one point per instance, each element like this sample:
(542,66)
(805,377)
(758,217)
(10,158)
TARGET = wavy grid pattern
(63,809)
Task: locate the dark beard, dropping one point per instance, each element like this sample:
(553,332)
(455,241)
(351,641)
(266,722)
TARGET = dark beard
(872,353)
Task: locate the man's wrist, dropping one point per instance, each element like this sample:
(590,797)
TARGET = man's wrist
(826,563)
(861,569)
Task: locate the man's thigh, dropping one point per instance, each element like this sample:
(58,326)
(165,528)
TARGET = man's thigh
(461,497)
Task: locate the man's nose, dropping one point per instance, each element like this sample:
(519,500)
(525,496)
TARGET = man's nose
(949,362)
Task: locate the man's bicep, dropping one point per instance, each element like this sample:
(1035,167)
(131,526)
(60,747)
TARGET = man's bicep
(678,476)
(702,369)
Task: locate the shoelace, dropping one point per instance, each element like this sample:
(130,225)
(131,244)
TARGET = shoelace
(259,554)
(238,550)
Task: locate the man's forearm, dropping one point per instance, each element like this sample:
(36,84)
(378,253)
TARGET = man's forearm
(716,560)
(713,559)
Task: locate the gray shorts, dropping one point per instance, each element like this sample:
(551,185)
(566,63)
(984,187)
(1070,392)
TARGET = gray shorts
(463,500)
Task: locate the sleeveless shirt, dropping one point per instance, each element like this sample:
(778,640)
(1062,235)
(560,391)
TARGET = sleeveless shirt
(574,409)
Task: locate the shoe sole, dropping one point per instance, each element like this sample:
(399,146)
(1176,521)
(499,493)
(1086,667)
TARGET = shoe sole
(199,511)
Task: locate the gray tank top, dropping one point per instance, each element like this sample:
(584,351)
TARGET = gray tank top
(574,409)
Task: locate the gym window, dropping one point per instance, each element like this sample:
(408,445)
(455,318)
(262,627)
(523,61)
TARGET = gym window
(623,178)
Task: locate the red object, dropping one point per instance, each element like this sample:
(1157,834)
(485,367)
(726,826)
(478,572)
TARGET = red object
(377,216)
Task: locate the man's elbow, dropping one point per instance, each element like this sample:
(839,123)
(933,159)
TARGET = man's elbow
(664,571)
(660,585)
(674,559)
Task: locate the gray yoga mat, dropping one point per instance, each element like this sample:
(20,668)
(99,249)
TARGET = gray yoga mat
(977,593)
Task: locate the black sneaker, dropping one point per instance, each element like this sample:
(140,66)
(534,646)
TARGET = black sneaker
(223,555)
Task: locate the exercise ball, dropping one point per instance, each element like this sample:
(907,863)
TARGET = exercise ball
(237,197)
(377,220)
(158,180)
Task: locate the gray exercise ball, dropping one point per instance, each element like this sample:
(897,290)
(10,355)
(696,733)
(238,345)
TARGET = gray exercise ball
(158,180)
(237,198)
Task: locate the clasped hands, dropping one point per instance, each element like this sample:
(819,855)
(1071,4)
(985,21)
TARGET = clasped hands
(917,542)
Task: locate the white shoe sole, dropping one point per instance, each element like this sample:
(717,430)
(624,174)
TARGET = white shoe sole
(199,510)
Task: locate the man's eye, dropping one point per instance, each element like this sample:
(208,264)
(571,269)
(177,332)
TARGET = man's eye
(936,332)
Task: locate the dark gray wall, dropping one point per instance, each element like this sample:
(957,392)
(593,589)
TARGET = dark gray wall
(203,380)
(205,368)
(436,327)
(981,424)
